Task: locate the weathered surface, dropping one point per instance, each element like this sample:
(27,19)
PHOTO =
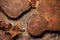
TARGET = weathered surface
(48,17)
(11,30)
(47,14)
(37,24)
(14,8)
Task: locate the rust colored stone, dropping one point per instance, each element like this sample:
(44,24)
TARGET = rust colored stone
(47,17)
(37,24)
(14,8)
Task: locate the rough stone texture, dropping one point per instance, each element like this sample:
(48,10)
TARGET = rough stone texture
(22,23)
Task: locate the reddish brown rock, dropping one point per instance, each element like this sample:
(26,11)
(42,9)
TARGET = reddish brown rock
(37,24)
(14,8)
(48,17)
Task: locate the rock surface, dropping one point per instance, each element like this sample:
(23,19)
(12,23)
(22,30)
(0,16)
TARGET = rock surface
(23,21)
(14,8)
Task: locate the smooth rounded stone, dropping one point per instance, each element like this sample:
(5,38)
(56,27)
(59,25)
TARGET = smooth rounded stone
(37,24)
(14,8)
(48,18)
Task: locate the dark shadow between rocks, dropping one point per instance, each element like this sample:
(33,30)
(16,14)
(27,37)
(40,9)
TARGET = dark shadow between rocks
(21,15)
(47,31)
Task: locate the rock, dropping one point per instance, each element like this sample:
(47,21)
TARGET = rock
(14,8)
(47,17)
(50,10)
(36,25)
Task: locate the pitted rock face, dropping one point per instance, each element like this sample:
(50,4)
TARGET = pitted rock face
(14,8)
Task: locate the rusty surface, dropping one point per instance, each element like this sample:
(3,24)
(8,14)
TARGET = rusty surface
(37,24)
